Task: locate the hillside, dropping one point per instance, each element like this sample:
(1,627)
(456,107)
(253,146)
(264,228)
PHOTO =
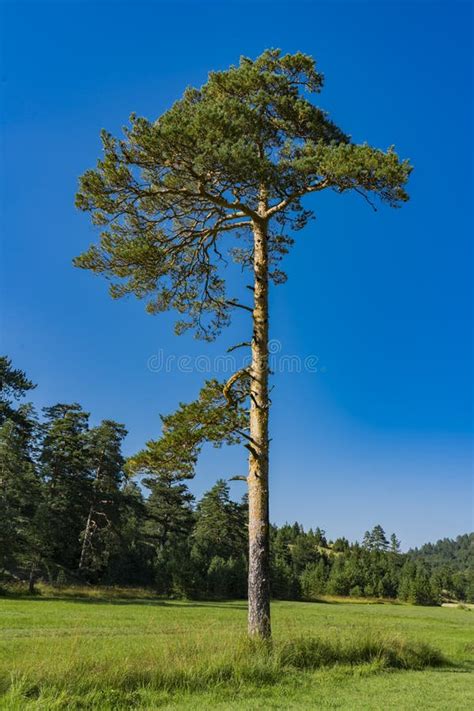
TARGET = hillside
(457,553)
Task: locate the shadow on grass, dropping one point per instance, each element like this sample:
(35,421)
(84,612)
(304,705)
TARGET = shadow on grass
(144,596)
(117,600)
(353,601)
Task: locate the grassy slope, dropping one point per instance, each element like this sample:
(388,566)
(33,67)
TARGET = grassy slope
(93,653)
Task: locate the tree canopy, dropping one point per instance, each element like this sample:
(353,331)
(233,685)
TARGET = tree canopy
(169,191)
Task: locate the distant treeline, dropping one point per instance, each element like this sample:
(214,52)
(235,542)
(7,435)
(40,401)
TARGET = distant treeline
(70,512)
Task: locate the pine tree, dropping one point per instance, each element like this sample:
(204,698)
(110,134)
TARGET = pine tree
(320,538)
(20,499)
(13,386)
(421,590)
(105,463)
(339,581)
(68,478)
(132,562)
(219,542)
(375,540)
(313,580)
(394,544)
(169,512)
(220,528)
(367,540)
(304,552)
(165,466)
(379,539)
(236,156)
(20,485)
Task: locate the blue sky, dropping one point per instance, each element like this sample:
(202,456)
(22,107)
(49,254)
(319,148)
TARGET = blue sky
(382,431)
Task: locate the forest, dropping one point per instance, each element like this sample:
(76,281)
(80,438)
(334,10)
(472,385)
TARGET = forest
(73,510)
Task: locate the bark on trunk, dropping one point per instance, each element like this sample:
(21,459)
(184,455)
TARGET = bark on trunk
(85,541)
(259,553)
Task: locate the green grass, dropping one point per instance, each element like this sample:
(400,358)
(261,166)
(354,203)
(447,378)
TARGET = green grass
(111,650)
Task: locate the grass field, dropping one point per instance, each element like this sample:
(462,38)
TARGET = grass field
(104,652)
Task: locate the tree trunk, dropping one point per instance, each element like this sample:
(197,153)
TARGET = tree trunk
(87,532)
(259,552)
(85,541)
(31,579)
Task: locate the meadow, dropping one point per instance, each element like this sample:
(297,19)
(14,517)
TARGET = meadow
(129,650)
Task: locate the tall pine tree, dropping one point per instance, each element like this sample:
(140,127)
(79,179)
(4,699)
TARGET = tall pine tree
(222,174)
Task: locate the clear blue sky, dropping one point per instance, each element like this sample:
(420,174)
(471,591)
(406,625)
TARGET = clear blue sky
(383,433)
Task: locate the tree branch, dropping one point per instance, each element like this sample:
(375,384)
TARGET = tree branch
(294,196)
(232,302)
(226,390)
(239,345)
(366,198)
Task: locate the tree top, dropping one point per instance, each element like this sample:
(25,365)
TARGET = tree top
(244,148)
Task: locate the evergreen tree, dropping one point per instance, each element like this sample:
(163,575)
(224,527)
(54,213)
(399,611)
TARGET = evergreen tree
(169,512)
(339,581)
(20,486)
(219,542)
(13,386)
(304,552)
(165,466)
(68,478)
(168,462)
(226,578)
(469,596)
(313,580)
(394,544)
(375,540)
(367,540)
(320,538)
(237,155)
(340,545)
(284,582)
(220,525)
(416,585)
(105,463)
(168,525)
(20,499)
(421,590)
(132,562)
(379,539)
